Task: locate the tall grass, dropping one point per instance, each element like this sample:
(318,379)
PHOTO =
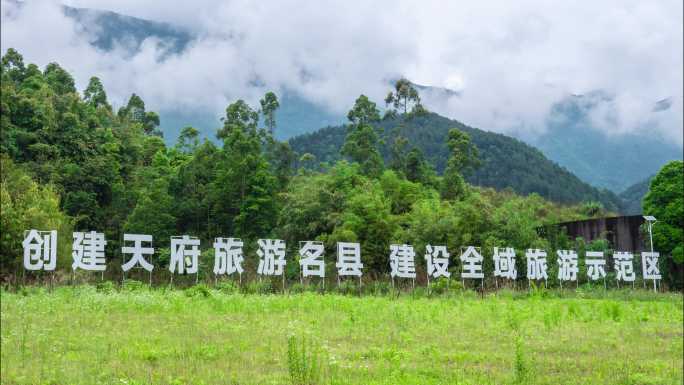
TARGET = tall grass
(303,362)
(223,335)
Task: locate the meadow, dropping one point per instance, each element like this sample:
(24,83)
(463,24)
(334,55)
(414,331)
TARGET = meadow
(134,335)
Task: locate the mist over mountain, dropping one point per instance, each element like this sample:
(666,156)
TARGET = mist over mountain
(111,30)
(571,136)
(614,162)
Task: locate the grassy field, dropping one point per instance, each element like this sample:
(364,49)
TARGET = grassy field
(81,335)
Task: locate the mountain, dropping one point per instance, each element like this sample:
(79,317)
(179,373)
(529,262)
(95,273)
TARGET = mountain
(570,139)
(109,30)
(506,162)
(613,162)
(633,195)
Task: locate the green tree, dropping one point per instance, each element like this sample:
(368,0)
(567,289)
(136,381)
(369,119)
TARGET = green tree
(59,79)
(463,156)
(188,140)
(361,143)
(13,66)
(405,97)
(665,202)
(418,169)
(269,105)
(244,191)
(26,205)
(95,94)
(398,154)
(281,158)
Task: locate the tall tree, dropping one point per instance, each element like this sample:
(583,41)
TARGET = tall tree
(13,65)
(405,97)
(244,190)
(463,157)
(361,143)
(95,94)
(239,117)
(59,79)
(398,154)
(269,105)
(188,140)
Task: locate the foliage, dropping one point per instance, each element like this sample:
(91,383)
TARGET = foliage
(504,162)
(361,143)
(664,201)
(404,98)
(26,205)
(302,362)
(68,159)
(269,105)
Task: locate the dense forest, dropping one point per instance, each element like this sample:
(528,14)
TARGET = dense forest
(505,162)
(70,161)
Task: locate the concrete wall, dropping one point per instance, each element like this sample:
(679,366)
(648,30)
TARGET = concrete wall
(623,233)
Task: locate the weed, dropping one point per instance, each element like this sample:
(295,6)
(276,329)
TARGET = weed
(303,362)
(521,367)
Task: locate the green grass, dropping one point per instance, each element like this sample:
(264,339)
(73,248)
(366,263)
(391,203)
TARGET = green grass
(138,336)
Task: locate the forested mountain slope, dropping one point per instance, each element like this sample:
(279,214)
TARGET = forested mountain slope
(634,195)
(505,162)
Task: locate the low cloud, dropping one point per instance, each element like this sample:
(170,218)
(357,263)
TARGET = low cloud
(509,62)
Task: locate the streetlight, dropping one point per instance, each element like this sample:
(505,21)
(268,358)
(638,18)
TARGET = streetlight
(651,221)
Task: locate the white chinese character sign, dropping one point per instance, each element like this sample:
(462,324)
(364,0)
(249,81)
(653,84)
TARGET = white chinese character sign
(504,263)
(184,255)
(311,261)
(536,265)
(649,265)
(624,267)
(596,263)
(567,266)
(271,254)
(40,250)
(348,259)
(228,256)
(88,251)
(471,263)
(437,259)
(402,262)
(137,251)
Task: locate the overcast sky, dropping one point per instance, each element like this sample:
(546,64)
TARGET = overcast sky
(509,60)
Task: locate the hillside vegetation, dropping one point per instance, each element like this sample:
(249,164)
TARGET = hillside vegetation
(69,161)
(88,167)
(505,162)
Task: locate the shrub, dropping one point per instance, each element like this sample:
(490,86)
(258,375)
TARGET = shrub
(227,287)
(106,287)
(200,290)
(444,285)
(132,285)
(259,287)
(303,363)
